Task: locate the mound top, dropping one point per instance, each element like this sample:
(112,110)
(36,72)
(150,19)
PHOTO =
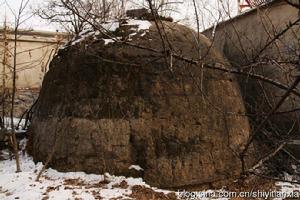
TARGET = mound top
(145,14)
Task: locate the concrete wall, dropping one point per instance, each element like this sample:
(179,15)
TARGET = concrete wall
(34,52)
(242,39)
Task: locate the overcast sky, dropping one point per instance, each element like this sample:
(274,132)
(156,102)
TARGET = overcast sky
(184,11)
(33,23)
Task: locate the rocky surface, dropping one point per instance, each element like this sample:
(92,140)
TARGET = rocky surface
(104,107)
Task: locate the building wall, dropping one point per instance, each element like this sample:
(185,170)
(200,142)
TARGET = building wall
(242,40)
(34,52)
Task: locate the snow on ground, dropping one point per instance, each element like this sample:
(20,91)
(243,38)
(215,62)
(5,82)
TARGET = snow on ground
(58,185)
(79,185)
(68,185)
(288,190)
(7,121)
(18,124)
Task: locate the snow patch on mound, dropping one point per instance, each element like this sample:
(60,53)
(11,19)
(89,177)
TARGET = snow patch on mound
(136,167)
(142,24)
(108,28)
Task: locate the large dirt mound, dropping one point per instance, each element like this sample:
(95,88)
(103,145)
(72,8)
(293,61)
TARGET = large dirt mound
(106,105)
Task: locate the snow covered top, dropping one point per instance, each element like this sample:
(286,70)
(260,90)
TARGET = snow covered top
(142,24)
(111,26)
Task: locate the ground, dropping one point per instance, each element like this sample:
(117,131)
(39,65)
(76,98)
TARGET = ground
(79,185)
(72,185)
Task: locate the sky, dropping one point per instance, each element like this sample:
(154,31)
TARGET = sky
(208,11)
(33,22)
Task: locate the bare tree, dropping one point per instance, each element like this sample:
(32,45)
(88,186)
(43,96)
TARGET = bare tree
(19,19)
(96,11)
(4,64)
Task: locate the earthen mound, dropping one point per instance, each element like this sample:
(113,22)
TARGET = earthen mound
(111,106)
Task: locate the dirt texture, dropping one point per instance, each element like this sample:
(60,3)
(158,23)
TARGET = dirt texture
(103,108)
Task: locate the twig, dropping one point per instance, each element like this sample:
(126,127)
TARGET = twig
(295,5)
(267,157)
(260,126)
(276,37)
(274,178)
(19,122)
(29,113)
